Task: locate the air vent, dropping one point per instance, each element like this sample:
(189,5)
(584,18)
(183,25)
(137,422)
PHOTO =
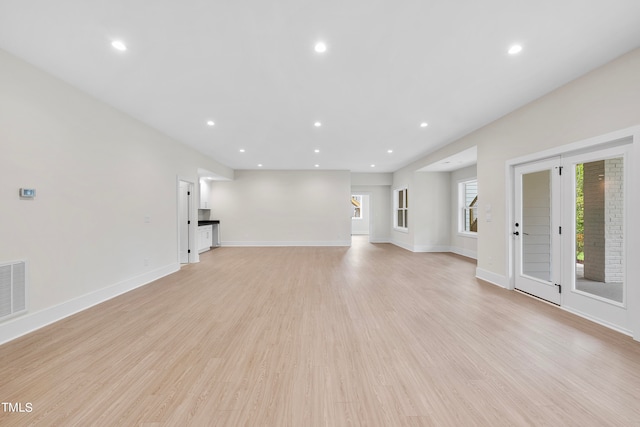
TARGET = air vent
(13,286)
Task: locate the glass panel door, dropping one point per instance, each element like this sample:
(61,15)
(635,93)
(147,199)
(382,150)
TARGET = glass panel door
(599,226)
(536,232)
(536,225)
(595,251)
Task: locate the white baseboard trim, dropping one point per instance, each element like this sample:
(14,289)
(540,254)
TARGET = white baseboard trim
(30,322)
(431,248)
(421,248)
(464,252)
(286,243)
(402,245)
(598,321)
(493,278)
(377,240)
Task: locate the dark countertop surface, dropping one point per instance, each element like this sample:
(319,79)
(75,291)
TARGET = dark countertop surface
(208,222)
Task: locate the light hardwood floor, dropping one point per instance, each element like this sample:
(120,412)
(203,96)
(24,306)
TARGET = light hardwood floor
(368,335)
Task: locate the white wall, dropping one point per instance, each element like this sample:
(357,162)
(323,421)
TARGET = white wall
(602,101)
(428,209)
(375,179)
(204,186)
(274,208)
(429,216)
(98,174)
(403,179)
(460,243)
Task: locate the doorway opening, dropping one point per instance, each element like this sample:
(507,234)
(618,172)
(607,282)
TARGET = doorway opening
(361,215)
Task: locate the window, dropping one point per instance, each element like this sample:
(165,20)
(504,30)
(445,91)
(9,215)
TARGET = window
(468,202)
(402,209)
(356,203)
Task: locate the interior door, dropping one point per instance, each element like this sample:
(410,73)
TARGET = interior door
(183,220)
(536,231)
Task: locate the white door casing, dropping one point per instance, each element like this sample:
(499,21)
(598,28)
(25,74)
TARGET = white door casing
(184,215)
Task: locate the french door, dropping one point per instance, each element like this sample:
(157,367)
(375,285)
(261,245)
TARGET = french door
(536,229)
(569,233)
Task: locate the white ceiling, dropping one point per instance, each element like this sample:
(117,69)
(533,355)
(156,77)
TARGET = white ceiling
(250,66)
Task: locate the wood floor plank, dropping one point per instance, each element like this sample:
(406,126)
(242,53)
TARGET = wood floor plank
(318,336)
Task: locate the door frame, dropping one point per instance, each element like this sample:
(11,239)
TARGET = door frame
(617,138)
(193,254)
(369,209)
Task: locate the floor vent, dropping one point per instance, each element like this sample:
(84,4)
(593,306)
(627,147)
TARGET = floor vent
(13,289)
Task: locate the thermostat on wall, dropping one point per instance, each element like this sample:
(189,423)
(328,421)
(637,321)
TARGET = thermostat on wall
(28,193)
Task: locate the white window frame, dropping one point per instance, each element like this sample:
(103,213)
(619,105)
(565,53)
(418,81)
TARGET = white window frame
(463,208)
(397,208)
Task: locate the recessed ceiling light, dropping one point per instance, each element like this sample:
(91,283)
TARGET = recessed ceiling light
(316,150)
(515,49)
(242,150)
(389,151)
(210,122)
(320,47)
(317,166)
(373,166)
(119,45)
(317,124)
(259,165)
(424,124)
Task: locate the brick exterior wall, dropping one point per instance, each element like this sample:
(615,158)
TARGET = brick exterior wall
(614,221)
(594,241)
(603,220)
